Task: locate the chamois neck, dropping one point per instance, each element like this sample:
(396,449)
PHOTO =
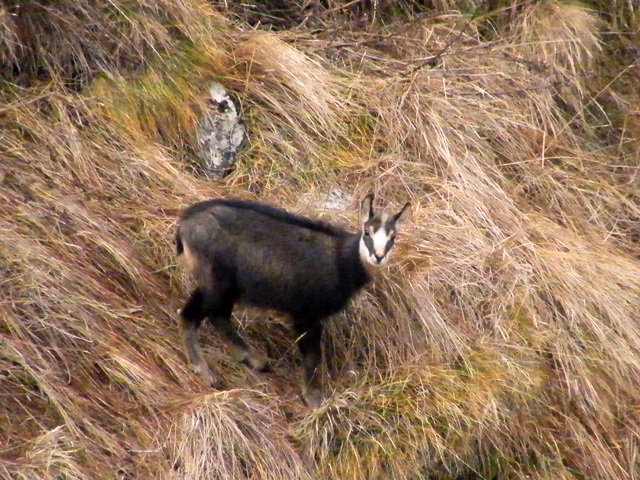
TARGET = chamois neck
(354,271)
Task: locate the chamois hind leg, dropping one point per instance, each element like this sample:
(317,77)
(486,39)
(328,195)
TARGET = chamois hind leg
(309,335)
(191,316)
(220,317)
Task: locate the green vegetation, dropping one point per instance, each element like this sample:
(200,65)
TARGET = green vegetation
(504,341)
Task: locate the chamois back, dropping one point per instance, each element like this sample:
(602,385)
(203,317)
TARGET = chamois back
(275,259)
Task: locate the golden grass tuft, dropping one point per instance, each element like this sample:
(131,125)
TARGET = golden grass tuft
(231,435)
(502,343)
(563,38)
(559,34)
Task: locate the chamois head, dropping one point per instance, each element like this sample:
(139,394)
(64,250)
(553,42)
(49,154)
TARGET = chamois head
(379,231)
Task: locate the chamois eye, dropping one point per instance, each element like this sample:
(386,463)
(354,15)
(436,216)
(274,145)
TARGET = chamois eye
(366,233)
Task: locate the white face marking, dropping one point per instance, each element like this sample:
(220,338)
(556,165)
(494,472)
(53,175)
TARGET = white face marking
(380,240)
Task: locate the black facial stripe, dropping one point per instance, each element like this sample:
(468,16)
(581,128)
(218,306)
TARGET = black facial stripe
(368,242)
(389,245)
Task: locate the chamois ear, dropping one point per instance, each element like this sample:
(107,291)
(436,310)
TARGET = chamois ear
(400,217)
(366,208)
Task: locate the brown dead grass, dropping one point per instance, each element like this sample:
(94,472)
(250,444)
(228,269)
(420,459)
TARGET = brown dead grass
(503,343)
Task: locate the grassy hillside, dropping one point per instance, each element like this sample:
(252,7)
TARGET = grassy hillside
(503,342)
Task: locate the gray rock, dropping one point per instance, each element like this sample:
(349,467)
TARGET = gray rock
(335,199)
(221,134)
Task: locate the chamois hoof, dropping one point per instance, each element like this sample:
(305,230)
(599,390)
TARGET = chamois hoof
(257,362)
(206,376)
(313,397)
(252,359)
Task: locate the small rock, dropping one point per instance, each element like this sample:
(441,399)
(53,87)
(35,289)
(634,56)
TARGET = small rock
(334,199)
(221,134)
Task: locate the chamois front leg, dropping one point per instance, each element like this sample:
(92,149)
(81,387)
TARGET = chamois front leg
(191,316)
(309,335)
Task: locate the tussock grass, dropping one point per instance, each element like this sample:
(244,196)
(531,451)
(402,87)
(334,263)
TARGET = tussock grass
(502,343)
(228,435)
(76,40)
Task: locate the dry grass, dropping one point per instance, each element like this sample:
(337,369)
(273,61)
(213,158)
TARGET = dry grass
(503,343)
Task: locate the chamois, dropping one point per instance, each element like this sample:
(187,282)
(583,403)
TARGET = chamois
(260,255)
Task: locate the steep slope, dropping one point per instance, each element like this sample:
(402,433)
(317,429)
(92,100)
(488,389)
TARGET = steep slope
(504,342)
